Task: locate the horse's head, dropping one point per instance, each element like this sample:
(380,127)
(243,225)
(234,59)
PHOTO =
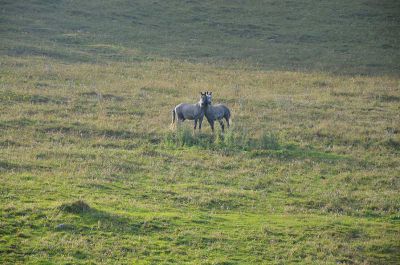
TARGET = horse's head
(203,99)
(209,97)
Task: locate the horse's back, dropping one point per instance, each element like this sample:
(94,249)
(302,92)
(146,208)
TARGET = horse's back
(222,110)
(187,111)
(225,108)
(179,107)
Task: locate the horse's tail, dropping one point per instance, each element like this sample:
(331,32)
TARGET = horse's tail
(173,116)
(228,116)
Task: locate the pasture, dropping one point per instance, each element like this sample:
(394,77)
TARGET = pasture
(92,173)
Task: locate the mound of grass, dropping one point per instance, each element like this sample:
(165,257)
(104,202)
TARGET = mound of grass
(76,207)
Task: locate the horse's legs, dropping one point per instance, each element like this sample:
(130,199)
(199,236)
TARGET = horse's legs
(227,121)
(211,122)
(195,124)
(200,122)
(222,124)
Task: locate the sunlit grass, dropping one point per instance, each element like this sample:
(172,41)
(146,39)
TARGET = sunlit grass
(92,172)
(306,173)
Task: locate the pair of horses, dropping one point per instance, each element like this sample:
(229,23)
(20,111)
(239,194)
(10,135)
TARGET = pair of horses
(202,108)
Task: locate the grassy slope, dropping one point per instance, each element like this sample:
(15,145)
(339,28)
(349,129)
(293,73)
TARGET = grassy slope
(89,121)
(335,36)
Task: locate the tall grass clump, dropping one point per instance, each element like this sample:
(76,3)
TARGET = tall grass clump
(268,140)
(184,136)
(239,139)
(235,138)
(181,137)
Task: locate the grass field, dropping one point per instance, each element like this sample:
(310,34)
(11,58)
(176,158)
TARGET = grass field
(347,37)
(92,172)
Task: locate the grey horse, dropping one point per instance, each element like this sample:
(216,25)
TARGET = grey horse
(194,112)
(216,112)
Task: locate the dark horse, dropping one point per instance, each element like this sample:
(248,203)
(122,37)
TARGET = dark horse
(216,112)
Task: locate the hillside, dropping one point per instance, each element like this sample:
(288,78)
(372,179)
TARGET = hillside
(92,172)
(347,37)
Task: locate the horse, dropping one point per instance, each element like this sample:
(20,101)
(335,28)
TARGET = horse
(216,112)
(194,112)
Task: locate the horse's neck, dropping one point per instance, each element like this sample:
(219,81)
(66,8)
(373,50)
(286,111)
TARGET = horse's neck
(198,106)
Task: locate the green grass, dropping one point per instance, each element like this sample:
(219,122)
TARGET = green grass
(348,37)
(306,174)
(92,172)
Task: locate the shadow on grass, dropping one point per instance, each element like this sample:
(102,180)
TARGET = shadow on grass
(83,130)
(9,97)
(289,152)
(94,219)
(6,166)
